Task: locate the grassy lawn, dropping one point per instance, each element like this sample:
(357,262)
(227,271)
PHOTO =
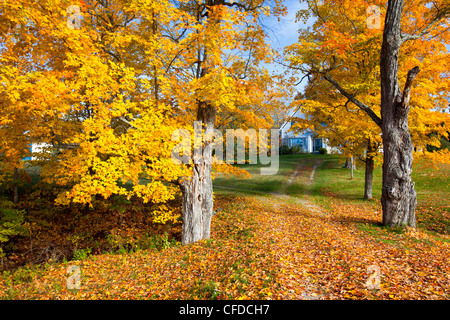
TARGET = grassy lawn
(332,181)
(329,176)
(272,183)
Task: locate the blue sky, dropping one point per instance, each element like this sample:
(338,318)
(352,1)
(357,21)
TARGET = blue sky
(285,32)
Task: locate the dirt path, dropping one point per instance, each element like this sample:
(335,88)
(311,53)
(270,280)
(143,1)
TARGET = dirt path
(299,284)
(297,172)
(317,163)
(303,174)
(306,175)
(306,289)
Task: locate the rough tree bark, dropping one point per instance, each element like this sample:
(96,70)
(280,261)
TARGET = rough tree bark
(398,195)
(197,192)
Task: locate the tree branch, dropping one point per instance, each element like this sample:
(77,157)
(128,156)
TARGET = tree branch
(430,27)
(241,6)
(69,145)
(127,122)
(346,107)
(412,74)
(352,99)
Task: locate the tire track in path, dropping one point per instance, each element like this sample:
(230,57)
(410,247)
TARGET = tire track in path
(301,280)
(302,173)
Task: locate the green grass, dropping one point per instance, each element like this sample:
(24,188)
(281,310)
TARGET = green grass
(329,176)
(332,181)
(433,196)
(267,184)
(337,180)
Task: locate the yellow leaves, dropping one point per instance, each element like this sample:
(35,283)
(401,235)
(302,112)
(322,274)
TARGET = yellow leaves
(105,98)
(294,255)
(352,57)
(435,158)
(164,215)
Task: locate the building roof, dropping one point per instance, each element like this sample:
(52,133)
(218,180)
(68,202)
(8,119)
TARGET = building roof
(292,114)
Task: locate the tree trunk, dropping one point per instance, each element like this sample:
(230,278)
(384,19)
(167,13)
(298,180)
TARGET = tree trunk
(197,192)
(16,186)
(398,197)
(191,191)
(207,114)
(368,177)
(349,163)
(351,167)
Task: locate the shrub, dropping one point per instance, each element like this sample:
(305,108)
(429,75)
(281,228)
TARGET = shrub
(81,254)
(11,223)
(323,151)
(121,242)
(285,150)
(297,149)
(156,242)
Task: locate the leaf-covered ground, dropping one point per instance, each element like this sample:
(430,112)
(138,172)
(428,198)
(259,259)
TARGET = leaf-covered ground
(277,245)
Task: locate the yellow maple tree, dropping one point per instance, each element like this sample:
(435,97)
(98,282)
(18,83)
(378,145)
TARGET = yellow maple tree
(101,86)
(341,55)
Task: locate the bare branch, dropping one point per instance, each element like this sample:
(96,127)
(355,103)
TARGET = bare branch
(69,145)
(355,101)
(127,122)
(434,23)
(412,74)
(301,80)
(346,107)
(242,6)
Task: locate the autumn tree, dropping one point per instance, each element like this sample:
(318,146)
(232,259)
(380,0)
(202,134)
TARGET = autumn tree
(108,82)
(356,60)
(68,91)
(227,47)
(347,130)
(398,195)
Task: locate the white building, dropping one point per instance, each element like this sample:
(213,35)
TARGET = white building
(307,140)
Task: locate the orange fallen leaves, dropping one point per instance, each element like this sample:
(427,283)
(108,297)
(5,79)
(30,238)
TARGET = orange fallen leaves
(262,249)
